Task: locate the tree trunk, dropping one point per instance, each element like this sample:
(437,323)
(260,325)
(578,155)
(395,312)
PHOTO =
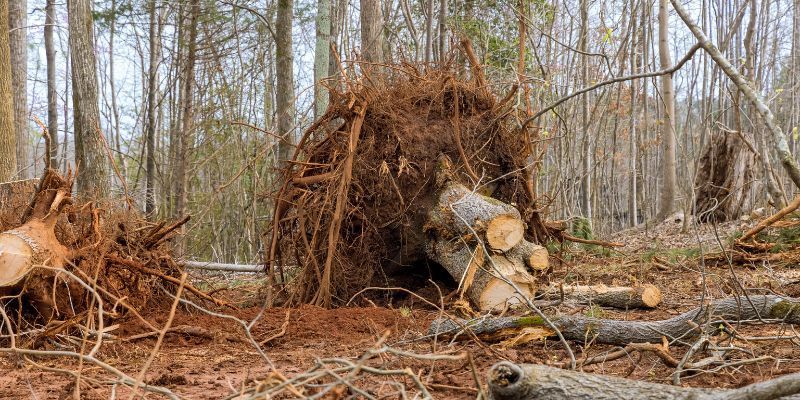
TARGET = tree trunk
(285,80)
(322,56)
(90,156)
(608,331)
(668,133)
(442,29)
(187,115)
(508,381)
(8,150)
(586,179)
(150,127)
(52,95)
(372,31)
(429,31)
(18,38)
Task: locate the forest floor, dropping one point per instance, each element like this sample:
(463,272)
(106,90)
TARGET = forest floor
(220,362)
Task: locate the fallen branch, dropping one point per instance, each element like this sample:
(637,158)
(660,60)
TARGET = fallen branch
(767,308)
(771,220)
(135,265)
(508,381)
(212,266)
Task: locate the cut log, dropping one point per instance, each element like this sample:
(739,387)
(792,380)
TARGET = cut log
(535,257)
(608,331)
(492,276)
(645,296)
(508,381)
(478,279)
(504,232)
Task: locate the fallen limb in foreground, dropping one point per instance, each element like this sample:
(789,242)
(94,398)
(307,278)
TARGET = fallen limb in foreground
(508,381)
(609,331)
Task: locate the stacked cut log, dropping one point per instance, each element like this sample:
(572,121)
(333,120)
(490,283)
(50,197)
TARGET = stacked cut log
(480,241)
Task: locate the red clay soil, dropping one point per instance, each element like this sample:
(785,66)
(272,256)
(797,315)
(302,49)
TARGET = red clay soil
(223,363)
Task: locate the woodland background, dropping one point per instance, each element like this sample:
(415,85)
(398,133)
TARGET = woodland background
(199,102)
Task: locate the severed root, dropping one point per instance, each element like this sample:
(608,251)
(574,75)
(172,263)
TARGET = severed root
(508,381)
(34,243)
(608,331)
(645,296)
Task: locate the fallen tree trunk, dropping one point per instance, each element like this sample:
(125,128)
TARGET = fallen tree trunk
(645,296)
(211,266)
(508,381)
(609,331)
(461,223)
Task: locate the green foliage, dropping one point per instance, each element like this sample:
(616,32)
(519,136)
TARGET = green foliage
(671,255)
(581,228)
(782,238)
(103,18)
(594,311)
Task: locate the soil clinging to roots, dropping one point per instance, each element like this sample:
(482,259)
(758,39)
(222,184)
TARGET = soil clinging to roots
(354,199)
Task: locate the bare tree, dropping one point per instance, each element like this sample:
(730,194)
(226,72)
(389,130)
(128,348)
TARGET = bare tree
(90,156)
(150,127)
(668,134)
(284,96)
(8,152)
(322,55)
(586,180)
(186,131)
(372,31)
(52,95)
(18,38)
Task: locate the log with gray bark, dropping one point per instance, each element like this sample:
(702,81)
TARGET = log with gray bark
(508,381)
(480,241)
(622,297)
(212,266)
(768,308)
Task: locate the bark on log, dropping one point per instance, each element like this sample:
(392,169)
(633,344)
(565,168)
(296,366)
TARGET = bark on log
(508,381)
(645,296)
(210,266)
(609,331)
(487,277)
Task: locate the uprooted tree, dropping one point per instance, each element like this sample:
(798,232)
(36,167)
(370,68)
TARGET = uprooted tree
(61,258)
(360,202)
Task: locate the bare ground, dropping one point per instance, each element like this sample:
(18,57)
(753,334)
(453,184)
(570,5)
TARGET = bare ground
(220,362)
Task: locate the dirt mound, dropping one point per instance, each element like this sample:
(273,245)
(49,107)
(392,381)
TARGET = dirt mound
(354,201)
